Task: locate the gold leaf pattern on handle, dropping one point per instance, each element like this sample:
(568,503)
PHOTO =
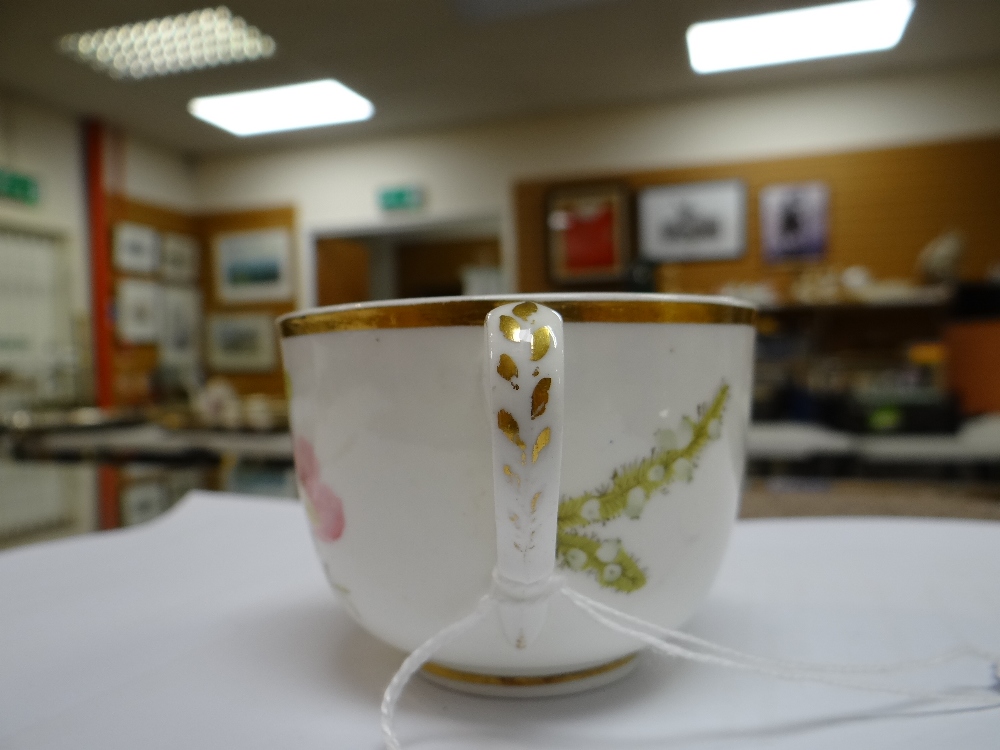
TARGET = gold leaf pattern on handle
(534,501)
(508,425)
(507,368)
(541,442)
(510,328)
(540,397)
(512,474)
(525,310)
(541,340)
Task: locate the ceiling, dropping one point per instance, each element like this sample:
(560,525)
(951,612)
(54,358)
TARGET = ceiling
(439,63)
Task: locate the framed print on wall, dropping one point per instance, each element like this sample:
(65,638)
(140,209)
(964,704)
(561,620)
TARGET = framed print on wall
(588,240)
(793,221)
(241,342)
(137,311)
(179,258)
(693,221)
(180,319)
(253,266)
(136,248)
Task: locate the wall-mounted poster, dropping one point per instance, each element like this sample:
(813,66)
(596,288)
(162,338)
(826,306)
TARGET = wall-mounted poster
(179,258)
(254,266)
(137,311)
(241,342)
(136,248)
(693,221)
(588,234)
(793,221)
(181,325)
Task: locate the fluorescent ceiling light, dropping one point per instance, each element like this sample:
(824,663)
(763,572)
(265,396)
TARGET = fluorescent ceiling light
(191,41)
(793,35)
(300,105)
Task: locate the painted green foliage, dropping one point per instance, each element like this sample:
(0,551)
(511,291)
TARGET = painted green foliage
(631,487)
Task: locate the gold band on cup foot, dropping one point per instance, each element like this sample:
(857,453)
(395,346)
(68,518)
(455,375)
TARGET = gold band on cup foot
(528,686)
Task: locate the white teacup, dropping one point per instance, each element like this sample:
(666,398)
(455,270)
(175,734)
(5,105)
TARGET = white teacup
(393,428)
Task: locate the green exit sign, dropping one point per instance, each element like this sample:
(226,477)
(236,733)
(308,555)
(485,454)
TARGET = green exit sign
(18,187)
(405,198)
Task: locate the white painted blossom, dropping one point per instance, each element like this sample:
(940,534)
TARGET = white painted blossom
(655,473)
(611,573)
(608,551)
(683,470)
(685,432)
(666,440)
(635,500)
(576,559)
(591,510)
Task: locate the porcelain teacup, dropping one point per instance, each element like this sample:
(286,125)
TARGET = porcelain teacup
(393,413)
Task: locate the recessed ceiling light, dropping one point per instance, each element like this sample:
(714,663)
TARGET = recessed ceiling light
(793,35)
(191,41)
(300,105)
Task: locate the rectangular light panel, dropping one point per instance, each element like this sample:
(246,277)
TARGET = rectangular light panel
(300,105)
(793,35)
(175,44)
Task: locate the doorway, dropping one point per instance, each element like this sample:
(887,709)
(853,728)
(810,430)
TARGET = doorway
(445,260)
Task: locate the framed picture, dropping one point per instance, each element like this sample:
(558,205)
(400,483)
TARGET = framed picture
(241,342)
(137,311)
(181,325)
(179,258)
(588,234)
(254,266)
(136,248)
(793,221)
(693,221)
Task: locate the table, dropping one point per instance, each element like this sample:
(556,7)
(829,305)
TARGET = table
(212,627)
(154,441)
(978,441)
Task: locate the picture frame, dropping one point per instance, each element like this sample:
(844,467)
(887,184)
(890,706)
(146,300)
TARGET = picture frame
(241,342)
(694,221)
(137,311)
(179,258)
(794,221)
(180,317)
(253,266)
(135,248)
(588,233)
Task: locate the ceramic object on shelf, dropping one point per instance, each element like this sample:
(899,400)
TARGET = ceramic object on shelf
(392,412)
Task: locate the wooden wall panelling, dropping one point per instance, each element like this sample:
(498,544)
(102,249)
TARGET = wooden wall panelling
(343,271)
(885,206)
(208,226)
(434,268)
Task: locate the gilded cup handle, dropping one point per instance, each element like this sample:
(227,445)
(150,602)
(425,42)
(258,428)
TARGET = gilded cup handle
(524,383)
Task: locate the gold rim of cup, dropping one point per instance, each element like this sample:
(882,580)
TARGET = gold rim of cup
(472,311)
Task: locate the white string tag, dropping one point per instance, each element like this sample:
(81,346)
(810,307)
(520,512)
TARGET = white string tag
(675,643)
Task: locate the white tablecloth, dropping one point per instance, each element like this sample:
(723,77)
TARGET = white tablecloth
(212,628)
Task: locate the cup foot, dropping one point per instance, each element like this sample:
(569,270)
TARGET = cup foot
(528,686)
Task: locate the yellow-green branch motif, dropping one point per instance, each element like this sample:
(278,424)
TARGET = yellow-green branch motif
(606,559)
(630,489)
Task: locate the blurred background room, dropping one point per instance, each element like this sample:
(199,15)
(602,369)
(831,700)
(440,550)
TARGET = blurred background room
(151,232)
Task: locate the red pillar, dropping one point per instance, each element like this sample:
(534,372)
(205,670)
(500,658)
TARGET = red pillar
(100,265)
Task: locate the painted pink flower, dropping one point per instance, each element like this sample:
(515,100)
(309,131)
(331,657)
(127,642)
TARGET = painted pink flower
(329,511)
(327,508)
(306,463)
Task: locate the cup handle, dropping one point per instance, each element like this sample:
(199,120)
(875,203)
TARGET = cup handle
(524,383)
